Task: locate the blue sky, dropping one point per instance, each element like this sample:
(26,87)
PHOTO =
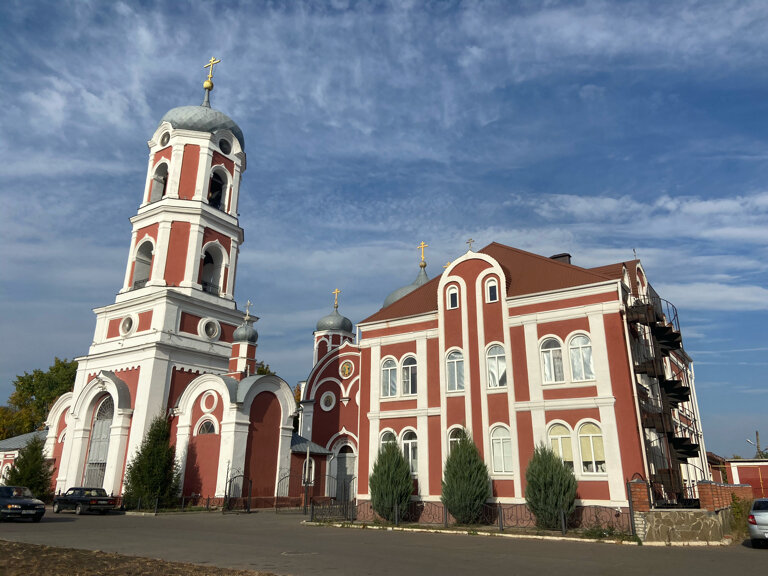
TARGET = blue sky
(593,128)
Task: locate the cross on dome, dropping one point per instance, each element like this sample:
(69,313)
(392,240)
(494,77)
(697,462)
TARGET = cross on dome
(470,242)
(208,84)
(336,293)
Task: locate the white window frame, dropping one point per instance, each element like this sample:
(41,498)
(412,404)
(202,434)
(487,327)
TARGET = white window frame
(451,294)
(498,361)
(409,377)
(454,372)
(491,283)
(385,433)
(577,351)
(308,477)
(410,449)
(453,441)
(388,373)
(504,467)
(591,437)
(559,441)
(548,358)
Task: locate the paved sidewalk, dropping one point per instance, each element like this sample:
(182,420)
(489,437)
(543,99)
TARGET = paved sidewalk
(280,543)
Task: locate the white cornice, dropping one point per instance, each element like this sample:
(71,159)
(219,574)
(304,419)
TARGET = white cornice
(416,412)
(579,311)
(399,322)
(366,342)
(565,403)
(608,286)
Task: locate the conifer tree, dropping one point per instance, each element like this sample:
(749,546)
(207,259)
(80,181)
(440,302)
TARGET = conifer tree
(390,482)
(154,472)
(550,488)
(31,470)
(466,483)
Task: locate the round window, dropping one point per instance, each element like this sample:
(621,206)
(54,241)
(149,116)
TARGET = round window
(165,138)
(225,146)
(209,328)
(127,325)
(328,401)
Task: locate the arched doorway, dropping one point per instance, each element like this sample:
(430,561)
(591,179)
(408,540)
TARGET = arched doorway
(98,448)
(345,474)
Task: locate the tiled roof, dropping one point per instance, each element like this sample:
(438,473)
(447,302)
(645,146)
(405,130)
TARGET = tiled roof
(527,273)
(18,442)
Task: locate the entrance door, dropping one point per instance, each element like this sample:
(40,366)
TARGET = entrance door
(345,474)
(99,446)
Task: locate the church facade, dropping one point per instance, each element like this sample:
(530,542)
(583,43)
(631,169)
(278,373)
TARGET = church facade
(515,348)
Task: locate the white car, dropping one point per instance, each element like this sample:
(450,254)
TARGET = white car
(757,522)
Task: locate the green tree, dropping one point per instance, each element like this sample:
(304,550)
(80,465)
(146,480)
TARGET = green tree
(33,397)
(466,483)
(263,369)
(390,482)
(30,469)
(550,488)
(154,472)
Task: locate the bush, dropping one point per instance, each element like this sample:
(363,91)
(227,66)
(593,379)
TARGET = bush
(154,472)
(31,470)
(466,483)
(739,513)
(550,488)
(390,482)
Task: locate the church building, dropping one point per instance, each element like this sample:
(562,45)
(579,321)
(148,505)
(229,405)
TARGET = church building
(515,348)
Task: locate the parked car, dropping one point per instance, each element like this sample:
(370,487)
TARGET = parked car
(757,522)
(81,499)
(19,502)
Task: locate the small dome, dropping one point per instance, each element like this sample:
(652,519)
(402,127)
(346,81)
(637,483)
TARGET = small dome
(421,279)
(334,321)
(245,333)
(202,119)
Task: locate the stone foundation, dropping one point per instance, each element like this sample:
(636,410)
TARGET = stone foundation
(682,525)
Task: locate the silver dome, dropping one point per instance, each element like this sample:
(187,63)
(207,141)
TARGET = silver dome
(202,119)
(334,321)
(245,333)
(421,279)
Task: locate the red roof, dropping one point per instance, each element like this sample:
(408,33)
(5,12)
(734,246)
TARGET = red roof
(527,273)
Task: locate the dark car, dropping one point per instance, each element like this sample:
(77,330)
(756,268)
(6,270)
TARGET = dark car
(82,499)
(757,522)
(19,502)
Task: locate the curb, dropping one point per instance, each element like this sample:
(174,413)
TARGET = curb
(724,542)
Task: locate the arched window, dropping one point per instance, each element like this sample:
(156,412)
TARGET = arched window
(212,267)
(452,297)
(455,371)
(454,437)
(388,379)
(159,183)
(410,450)
(501,450)
(386,438)
(142,265)
(308,472)
(580,351)
(216,191)
(497,367)
(592,450)
(552,361)
(491,290)
(560,440)
(409,375)
(206,427)
(98,448)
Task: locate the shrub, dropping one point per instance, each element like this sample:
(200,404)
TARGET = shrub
(31,470)
(550,488)
(739,513)
(390,482)
(154,472)
(466,483)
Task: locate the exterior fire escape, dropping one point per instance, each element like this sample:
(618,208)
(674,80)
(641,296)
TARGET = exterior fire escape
(663,388)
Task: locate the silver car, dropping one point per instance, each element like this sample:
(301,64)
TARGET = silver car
(757,522)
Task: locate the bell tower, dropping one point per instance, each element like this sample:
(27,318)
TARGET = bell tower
(175,317)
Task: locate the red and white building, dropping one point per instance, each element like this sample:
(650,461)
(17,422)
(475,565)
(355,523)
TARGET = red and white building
(519,350)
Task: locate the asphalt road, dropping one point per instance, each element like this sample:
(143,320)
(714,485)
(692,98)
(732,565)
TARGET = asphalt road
(280,543)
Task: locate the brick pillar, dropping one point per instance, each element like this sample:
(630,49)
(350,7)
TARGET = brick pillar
(638,494)
(707,495)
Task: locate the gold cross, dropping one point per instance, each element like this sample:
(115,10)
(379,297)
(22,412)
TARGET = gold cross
(248,310)
(421,247)
(336,297)
(470,241)
(447,264)
(211,63)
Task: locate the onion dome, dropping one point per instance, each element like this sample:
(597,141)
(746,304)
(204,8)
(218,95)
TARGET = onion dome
(246,332)
(203,118)
(335,321)
(421,279)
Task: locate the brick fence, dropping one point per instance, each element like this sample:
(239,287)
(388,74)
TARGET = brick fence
(712,495)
